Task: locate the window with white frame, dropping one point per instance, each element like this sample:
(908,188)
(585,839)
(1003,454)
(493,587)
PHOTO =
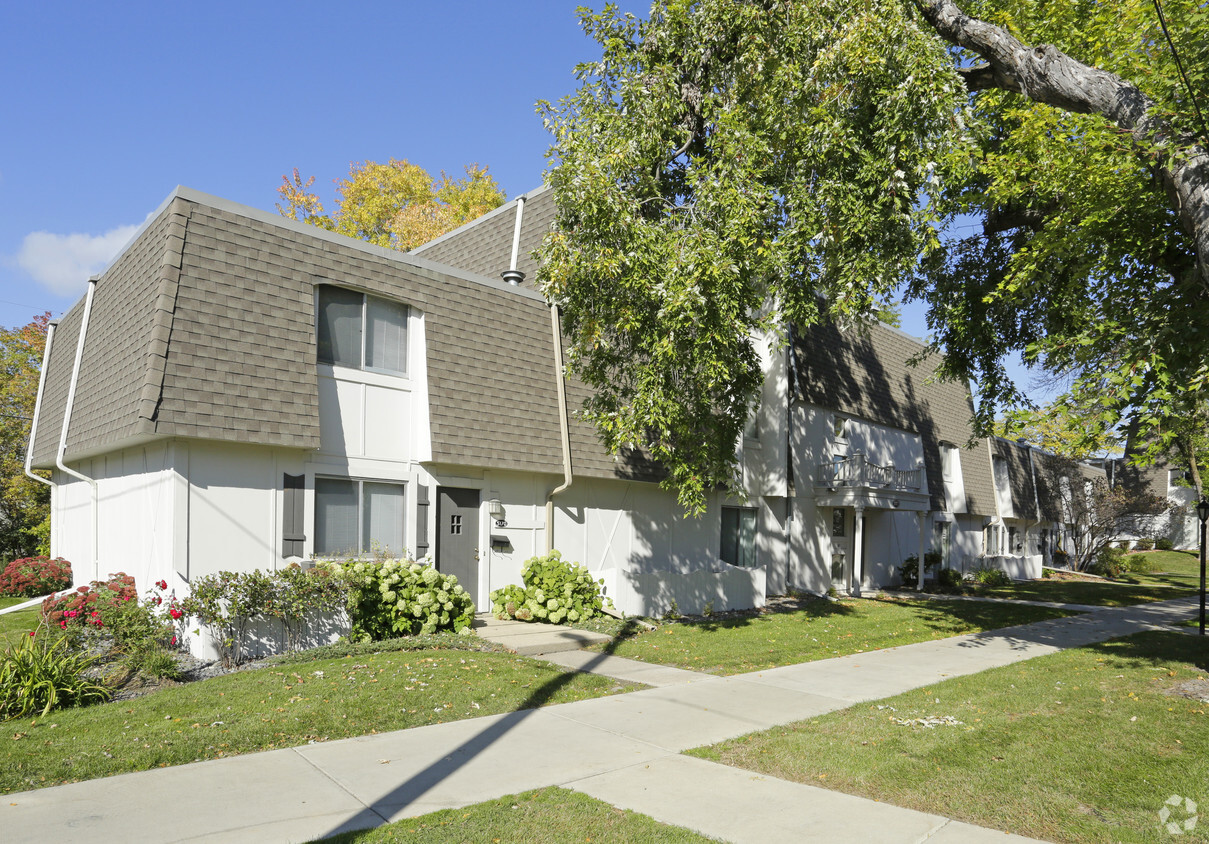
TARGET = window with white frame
(739,536)
(355,517)
(360,331)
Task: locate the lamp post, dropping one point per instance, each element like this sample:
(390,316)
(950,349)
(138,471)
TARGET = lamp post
(1202,512)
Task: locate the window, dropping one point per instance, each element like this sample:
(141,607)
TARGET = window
(739,536)
(361,332)
(358,517)
(839,427)
(837,522)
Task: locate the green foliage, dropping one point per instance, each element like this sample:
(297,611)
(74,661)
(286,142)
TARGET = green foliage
(1137,563)
(726,170)
(389,598)
(229,602)
(990,577)
(397,205)
(1108,563)
(24,503)
(31,577)
(1163,544)
(949,580)
(909,570)
(40,673)
(1144,545)
(555,591)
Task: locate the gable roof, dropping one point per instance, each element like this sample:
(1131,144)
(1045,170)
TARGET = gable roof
(205,327)
(866,373)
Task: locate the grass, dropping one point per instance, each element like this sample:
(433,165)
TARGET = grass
(552,815)
(1079,746)
(1095,593)
(1168,568)
(819,630)
(18,623)
(282,705)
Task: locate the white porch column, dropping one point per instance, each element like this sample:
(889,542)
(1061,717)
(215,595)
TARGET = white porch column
(923,524)
(858,550)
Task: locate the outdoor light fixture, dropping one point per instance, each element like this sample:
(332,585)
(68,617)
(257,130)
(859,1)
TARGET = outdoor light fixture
(1202,513)
(495,510)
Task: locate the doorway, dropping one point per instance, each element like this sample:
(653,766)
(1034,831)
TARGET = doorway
(458,536)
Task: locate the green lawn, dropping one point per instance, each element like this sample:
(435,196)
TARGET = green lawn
(820,630)
(1080,746)
(16,623)
(281,706)
(1095,593)
(1169,568)
(548,815)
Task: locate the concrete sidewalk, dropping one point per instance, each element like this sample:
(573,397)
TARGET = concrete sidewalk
(624,750)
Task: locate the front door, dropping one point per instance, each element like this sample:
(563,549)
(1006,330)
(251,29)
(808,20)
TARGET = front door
(458,536)
(839,549)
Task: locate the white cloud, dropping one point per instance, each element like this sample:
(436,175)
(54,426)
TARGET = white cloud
(62,263)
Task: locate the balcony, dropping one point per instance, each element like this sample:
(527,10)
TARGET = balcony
(855,472)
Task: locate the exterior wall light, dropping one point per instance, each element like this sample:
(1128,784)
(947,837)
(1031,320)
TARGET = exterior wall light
(495,509)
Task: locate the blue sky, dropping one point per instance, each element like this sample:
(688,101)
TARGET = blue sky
(109,106)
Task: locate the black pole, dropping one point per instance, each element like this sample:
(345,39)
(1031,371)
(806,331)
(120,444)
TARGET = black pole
(1201,513)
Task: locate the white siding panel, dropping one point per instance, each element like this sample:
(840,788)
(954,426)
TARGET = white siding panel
(388,423)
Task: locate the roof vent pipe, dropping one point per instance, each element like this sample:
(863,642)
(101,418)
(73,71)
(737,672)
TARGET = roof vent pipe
(512,275)
(71,398)
(33,428)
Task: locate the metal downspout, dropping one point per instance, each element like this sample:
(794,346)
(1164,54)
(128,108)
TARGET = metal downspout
(556,329)
(71,397)
(33,428)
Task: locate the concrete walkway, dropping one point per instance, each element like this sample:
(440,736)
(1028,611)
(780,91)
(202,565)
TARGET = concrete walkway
(624,750)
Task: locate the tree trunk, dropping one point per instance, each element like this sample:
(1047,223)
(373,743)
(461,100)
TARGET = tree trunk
(1045,74)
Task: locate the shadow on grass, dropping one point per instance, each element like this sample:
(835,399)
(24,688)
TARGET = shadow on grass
(419,784)
(1148,650)
(811,606)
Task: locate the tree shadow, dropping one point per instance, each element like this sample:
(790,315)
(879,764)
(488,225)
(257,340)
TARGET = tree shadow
(416,786)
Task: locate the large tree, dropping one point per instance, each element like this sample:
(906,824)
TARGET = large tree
(729,168)
(397,205)
(24,503)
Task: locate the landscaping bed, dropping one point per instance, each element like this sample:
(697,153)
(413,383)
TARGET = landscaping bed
(795,629)
(1085,745)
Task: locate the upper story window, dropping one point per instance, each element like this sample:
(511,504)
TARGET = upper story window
(361,331)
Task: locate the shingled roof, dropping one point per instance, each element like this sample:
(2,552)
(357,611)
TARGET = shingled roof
(484,245)
(205,327)
(866,373)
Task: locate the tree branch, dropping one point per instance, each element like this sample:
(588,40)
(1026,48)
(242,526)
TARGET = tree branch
(1046,75)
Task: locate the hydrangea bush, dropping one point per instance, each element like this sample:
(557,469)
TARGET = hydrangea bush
(389,598)
(555,590)
(30,577)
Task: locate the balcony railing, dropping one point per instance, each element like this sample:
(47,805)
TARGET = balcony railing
(856,471)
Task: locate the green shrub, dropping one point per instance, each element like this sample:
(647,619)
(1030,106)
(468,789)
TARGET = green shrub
(990,577)
(390,598)
(30,577)
(1164,544)
(949,580)
(229,602)
(1144,545)
(1108,562)
(1137,564)
(555,590)
(909,570)
(41,672)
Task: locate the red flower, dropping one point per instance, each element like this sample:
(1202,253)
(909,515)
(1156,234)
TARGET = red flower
(32,633)
(162,584)
(63,624)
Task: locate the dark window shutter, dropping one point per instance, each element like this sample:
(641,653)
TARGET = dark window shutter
(293,518)
(421,521)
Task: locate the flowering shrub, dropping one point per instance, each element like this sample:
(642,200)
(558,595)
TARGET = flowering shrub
(555,591)
(140,632)
(30,577)
(391,598)
(40,673)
